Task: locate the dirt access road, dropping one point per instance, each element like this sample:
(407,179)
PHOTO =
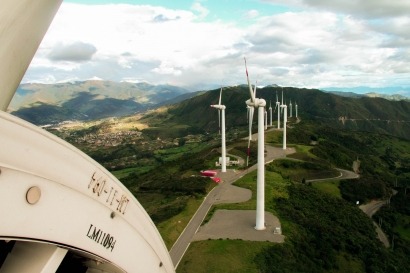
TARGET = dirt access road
(371,208)
(344,174)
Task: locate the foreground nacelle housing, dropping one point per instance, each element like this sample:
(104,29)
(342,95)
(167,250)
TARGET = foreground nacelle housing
(52,193)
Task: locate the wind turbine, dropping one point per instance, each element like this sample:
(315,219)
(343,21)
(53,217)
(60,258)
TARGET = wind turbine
(221,117)
(260,193)
(285,119)
(270,113)
(278,106)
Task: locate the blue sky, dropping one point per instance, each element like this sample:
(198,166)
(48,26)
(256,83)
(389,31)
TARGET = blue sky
(227,10)
(200,44)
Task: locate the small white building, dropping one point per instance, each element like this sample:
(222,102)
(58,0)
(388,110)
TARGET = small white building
(229,162)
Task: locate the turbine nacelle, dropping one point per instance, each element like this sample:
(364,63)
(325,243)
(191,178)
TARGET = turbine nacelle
(256,103)
(276,106)
(281,107)
(219,107)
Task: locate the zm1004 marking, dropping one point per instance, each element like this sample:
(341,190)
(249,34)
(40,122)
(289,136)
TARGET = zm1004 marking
(101,237)
(112,197)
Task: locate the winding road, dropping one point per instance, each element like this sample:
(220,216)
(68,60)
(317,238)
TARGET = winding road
(344,174)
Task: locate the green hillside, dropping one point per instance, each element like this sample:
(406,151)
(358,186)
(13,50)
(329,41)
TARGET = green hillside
(325,231)
(357,114)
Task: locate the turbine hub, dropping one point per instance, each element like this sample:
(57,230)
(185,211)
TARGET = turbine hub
(257,103)
(219,106)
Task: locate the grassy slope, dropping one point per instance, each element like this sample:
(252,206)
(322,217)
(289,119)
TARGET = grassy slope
(329,187)
(173,227)
(229,256)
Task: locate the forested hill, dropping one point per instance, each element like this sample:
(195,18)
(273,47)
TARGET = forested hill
(361,114)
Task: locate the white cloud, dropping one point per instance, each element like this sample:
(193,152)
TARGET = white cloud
(75,52)
(310,48)
(197,7)
(252,14)
(360,8)
(167,68)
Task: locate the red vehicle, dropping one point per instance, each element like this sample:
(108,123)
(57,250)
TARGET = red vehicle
(209,173)
(216,179)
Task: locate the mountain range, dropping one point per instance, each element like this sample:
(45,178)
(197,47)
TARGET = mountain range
(389,93)
(87,100)
(395,97)
(317,107)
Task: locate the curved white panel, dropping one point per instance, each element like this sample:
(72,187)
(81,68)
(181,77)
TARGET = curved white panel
(23,24)
(51,191)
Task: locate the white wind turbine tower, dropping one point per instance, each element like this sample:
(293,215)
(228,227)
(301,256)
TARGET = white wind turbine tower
(296,108)
(266,120)
(260,193)
(270,113)
(290,106)
(278,106)
(221,117)
(248,116)
(285,119)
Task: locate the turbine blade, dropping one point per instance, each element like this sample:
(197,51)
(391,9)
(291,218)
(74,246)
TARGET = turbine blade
(220,96)
(250,135)
(249,84)
(282,95)
(251,110)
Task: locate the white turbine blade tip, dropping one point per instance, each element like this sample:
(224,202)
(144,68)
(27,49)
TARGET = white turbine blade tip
(220,97)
